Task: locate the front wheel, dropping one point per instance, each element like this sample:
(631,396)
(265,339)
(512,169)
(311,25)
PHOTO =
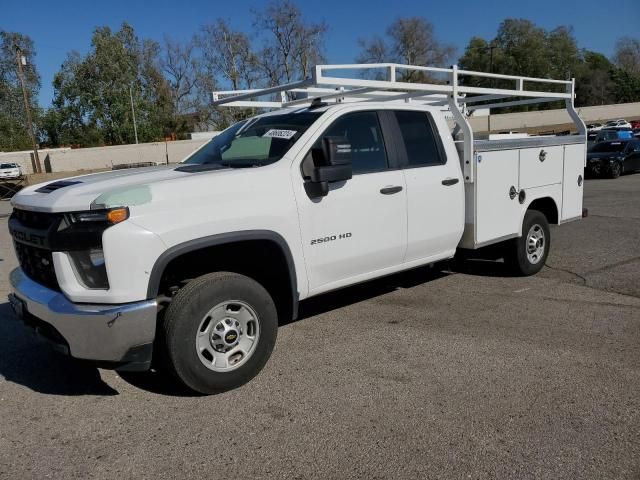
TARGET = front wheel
(219,331)
(526,255)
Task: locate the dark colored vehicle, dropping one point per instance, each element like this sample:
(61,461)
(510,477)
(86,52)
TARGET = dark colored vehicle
(613,134)
(614,158)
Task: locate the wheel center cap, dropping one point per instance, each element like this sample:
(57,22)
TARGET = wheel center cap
(230,337)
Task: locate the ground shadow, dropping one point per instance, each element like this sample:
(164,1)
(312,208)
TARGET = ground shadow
(157,381)
(373,288)
(27,360)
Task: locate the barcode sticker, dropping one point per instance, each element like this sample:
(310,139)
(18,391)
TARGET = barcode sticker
(284,134)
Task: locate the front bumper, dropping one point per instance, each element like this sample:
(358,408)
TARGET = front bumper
(599,166)
(117,335)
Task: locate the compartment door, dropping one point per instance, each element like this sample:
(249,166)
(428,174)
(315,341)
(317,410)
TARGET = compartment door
(540,166)
(497,215)
(573,181)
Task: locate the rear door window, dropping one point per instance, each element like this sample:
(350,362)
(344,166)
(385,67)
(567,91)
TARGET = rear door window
(420,139)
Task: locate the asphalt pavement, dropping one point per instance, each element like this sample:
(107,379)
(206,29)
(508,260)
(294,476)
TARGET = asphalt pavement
(447,372)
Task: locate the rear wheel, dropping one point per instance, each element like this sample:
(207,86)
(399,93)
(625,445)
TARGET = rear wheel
(526,255)
(219,331)
(615,170)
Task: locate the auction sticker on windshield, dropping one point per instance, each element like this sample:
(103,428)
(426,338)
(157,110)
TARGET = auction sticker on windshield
(284,134)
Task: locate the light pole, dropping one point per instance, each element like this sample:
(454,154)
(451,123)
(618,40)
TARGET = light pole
(133,112)
(32,133)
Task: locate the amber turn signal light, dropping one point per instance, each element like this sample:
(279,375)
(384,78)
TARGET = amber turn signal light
(118,215)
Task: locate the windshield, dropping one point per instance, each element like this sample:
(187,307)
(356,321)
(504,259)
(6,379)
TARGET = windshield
(255,142)
(8,165)
(609,147)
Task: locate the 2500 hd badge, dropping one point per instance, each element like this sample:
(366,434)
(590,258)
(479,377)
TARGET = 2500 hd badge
(331,238)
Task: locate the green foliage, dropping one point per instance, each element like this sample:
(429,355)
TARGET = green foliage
(14,134)
(93,94)
(522,48)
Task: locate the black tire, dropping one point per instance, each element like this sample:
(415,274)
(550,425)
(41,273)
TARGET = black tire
(184,316)
(516,256)
(615,170)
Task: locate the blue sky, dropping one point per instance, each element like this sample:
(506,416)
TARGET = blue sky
(62,26)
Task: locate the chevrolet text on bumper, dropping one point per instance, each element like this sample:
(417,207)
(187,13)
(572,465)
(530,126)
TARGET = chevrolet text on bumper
(201,261)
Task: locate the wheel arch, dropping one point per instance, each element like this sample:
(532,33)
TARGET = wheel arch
(225,240)
(547,206)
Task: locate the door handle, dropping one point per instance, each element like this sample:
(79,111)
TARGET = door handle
(450,181)
(390,190)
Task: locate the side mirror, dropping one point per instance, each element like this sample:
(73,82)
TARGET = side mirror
(332,164)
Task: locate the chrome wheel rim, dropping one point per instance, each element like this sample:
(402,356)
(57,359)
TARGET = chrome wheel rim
(227,336)
(536,244)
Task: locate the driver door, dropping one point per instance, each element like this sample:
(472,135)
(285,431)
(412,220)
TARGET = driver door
(359,229)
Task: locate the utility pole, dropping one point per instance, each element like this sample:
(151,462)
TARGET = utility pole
(133,112)
(32,133)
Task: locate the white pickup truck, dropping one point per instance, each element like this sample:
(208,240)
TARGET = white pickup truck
(352,179)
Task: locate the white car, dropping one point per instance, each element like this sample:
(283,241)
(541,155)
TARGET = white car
(594,127)
(10,171)
(620,123)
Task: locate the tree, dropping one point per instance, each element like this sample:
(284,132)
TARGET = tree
(291,44)
(228,54)
(522,48)
(408,40)
(93,93)
(14,131)
(594,85)
(627,55)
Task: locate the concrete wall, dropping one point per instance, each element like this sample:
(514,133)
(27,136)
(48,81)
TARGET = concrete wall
(70,160)
(548,119)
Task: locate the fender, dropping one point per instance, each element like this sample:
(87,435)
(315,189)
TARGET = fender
(546,196)
(222,239)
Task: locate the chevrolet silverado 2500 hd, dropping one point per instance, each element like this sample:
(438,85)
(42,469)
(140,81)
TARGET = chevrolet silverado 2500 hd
(351,179)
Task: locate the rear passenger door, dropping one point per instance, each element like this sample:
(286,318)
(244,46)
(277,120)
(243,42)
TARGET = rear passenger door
(435,190)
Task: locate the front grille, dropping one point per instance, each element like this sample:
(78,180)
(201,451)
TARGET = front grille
(37,220)
(37,264)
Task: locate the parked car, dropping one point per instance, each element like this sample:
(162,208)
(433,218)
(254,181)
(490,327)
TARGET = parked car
(10,171)
(635,124)
(618,123)
(607,134)
(614,158)
(594,127)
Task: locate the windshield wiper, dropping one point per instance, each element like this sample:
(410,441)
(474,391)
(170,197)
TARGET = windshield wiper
(248,164)
(199,167)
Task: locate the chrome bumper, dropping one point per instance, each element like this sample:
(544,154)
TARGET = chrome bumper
(122,334)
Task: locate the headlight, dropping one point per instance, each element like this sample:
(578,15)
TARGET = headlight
(80,234)
(90,268)
(110,216)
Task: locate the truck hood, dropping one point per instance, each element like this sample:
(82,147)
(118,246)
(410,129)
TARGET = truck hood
(121,187)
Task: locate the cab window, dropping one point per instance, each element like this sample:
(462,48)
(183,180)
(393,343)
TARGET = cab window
(419,138)
(362,129)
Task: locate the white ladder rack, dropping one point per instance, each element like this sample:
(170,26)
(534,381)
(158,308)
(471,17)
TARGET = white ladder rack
(459,99)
